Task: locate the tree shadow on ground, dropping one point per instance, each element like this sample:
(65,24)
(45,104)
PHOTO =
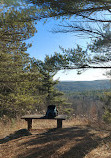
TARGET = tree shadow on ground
(74,142)
(17,134)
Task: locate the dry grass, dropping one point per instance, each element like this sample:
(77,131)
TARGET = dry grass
(75,140)
(11,126)
(14,125)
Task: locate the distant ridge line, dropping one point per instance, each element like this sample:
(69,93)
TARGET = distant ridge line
(85,80)
(75,86)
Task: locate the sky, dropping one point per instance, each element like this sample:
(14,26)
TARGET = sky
(45,42)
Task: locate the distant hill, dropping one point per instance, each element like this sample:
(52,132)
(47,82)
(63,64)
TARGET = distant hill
(78,86)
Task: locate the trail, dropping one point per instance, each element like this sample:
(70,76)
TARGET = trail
(71,142)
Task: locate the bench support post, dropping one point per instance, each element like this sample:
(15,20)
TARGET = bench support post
(59,123)
(29,124)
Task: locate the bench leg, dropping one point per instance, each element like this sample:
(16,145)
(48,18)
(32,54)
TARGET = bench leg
(59,123)
(29,124)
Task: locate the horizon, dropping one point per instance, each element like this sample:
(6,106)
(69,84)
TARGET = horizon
(85,80)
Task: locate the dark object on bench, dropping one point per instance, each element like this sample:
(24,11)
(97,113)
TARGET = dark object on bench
(51,111)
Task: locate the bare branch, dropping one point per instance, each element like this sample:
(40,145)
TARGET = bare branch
(88,67)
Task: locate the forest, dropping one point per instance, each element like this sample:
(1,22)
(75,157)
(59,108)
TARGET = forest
(79,86)
(87,98)
(26,84)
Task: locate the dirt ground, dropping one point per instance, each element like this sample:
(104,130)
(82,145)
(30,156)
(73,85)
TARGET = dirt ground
(74,141)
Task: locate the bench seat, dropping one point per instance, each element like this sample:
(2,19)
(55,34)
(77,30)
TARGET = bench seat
(29,118)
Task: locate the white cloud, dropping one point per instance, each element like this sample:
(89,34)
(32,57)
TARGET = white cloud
(88,75)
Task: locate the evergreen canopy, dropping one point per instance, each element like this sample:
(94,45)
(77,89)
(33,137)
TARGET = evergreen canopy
(89,17)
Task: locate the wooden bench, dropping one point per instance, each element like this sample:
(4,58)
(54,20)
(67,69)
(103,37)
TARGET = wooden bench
(29,118)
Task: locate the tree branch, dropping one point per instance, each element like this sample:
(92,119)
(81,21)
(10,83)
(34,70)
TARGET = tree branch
(88,67)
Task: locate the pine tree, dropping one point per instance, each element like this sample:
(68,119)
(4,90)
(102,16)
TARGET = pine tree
(52,96)
(88,17)
(18,82)
(107,107)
